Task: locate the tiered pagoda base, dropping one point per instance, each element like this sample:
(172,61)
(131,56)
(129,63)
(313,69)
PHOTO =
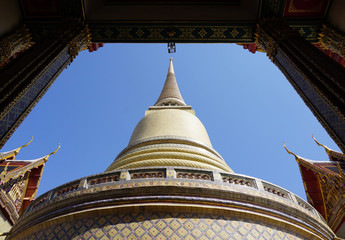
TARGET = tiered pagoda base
(170,203)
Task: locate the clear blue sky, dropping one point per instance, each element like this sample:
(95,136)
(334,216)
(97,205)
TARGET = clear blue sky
(247,106)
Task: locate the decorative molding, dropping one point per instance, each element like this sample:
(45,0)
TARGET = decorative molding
(108,32)
(117,32)
(244,196)
(271,48)
(309,31)
(265,38)
(79,42)
(265,42)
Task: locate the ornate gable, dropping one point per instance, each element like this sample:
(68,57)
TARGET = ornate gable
(324,183)
(19,181)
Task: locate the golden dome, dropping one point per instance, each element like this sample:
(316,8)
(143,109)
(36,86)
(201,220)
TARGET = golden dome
(169,137)
(170,122)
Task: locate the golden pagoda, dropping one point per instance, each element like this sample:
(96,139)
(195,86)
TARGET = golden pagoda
(169,183)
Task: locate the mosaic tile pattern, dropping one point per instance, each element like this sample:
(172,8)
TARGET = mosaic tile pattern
(331,121)
(162,226)
(235,33)
(309,32)
(23,105)
(115,32)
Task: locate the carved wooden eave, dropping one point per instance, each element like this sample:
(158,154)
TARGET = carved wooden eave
(23,167)
(336,156)
(315,167)
(8,155)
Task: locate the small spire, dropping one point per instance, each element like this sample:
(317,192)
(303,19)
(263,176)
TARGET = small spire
(170,94)
(171,67)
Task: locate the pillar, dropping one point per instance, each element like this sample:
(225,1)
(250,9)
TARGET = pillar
(25,80)
(319,80)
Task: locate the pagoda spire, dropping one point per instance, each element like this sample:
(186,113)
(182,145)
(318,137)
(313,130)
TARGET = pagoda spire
(170,95)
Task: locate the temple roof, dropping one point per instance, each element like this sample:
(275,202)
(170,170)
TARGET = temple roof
(11,169)
(170,94)
(334,167)
(19,181)
(324,183)
(329,169)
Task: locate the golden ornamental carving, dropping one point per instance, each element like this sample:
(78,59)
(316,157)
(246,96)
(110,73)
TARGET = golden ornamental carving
(79,42)
(265,42)
(342,48)
(75,34)
(332,39)
(271,31)
(5,51)
(3,174)
(15,42)
(73,49)
(271,48)
(17,193)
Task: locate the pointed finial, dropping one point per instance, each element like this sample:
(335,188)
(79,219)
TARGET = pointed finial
(289,152)
(52,153)
(170,94)
(321,145)
(25,145)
